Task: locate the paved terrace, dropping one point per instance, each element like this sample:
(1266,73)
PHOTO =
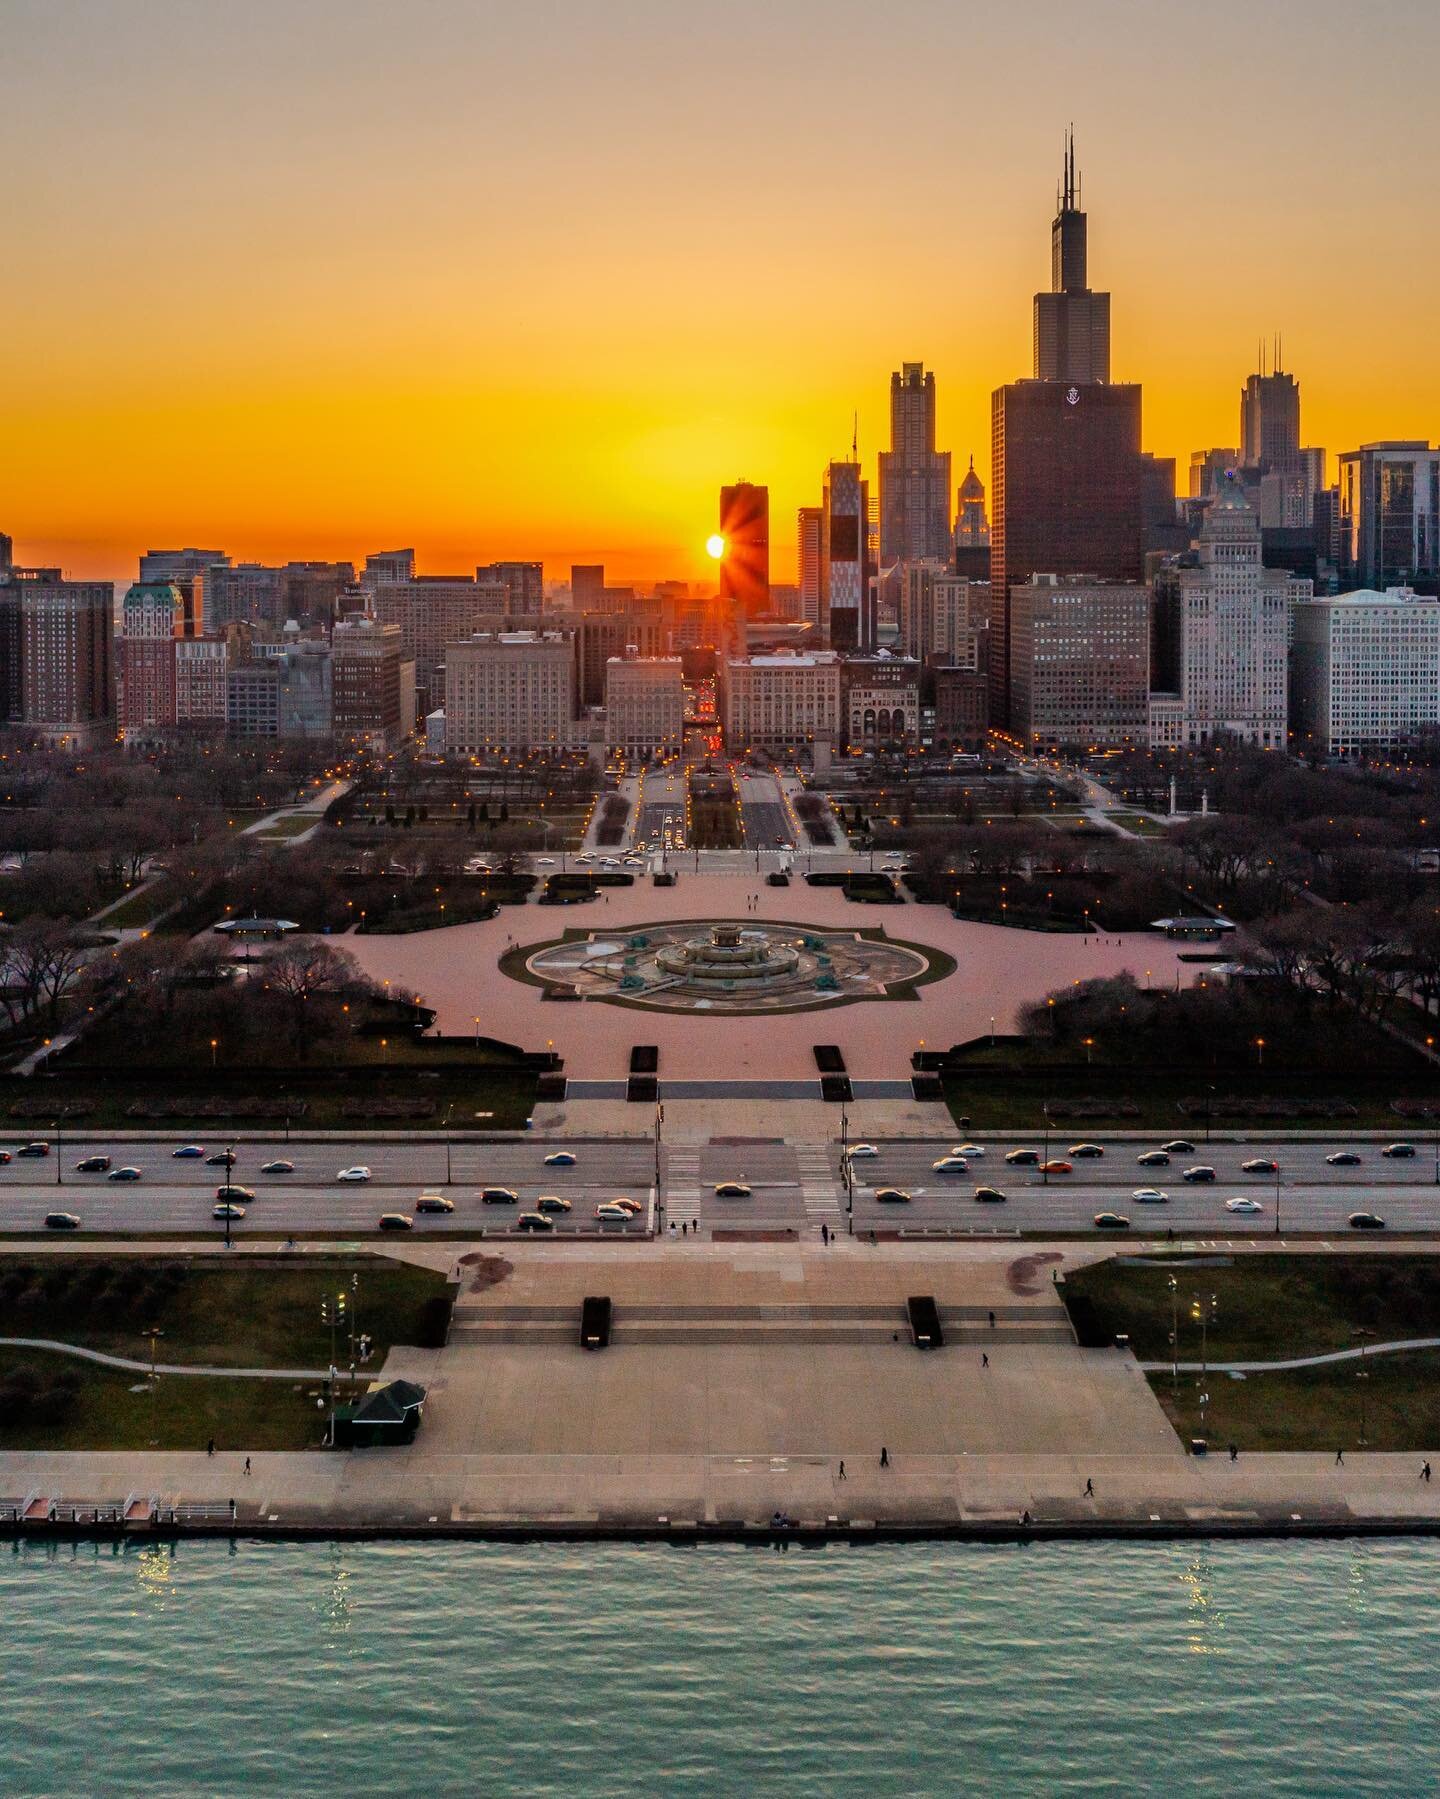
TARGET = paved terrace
(740,1377)
(997,970)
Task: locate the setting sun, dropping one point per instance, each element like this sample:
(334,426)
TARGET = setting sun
(715,545)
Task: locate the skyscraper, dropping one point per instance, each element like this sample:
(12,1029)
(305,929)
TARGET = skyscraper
(845,605)
(1065,497)
(972,527)
(810,523)
(1270,421)
(151,617)
(66,642)
(914,475)
(745,565)
(524,584)
(1390,515)
(1072,324)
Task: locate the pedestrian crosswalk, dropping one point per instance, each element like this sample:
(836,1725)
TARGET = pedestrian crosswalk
(819,1189)
(682,1181)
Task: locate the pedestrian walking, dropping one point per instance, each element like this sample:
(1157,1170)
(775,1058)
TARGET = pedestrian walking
(1234,1453)
(1089,1489)
(1425,1472)
(992,1321)
(884,1456)
(210,1450)
(984,1359)
(247,1464)
(842,1470)
(1339,1458)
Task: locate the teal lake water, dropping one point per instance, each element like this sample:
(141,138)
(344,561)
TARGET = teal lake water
(934,1669)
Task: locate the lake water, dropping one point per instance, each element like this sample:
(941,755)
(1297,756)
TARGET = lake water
(473,1669)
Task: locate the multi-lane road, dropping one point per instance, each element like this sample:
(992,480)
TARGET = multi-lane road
(175,1195)
(794,1186)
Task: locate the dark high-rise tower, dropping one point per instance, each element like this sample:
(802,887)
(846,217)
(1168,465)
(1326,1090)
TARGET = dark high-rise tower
(1270,421)
(1065,497)
(914,475)
(1072,324)
(745,565)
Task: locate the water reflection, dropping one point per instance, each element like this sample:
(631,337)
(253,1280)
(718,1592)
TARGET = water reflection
(1205,1621)
(154,1567)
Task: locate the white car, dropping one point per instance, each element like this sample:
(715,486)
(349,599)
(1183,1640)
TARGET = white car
(1150,1196)
(950,1165)
(560,1158)
(357,1173)
(971,1151)
(544,861)
(1243,1205)
(858,1152)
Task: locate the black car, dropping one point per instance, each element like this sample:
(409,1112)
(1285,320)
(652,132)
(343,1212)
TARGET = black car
(990,1196)
(33,1149)
(1260,1165)
(1111,1221)
(1344,1158)
(1022,1158)
(1366,1221)
(1179,1146)
(534,1221)
(396,1221)
(61,1221)
(1399,1152)
(1200,1173)
(92,1165)
(499,1196)
(219,1160)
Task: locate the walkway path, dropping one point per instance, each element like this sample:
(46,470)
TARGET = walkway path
(1308,1361)
(132,1366)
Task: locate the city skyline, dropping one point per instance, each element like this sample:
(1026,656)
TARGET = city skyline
(404,318)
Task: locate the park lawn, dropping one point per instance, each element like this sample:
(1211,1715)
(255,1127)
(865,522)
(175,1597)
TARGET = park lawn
(250,1313)
(295,825)
(1266,1307)
(1314,1408)
(181,1412)
(136,910)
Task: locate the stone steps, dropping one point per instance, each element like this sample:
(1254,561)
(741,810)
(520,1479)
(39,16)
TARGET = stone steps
(797,1333)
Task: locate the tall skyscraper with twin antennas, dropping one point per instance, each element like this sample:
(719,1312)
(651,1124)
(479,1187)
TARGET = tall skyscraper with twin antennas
(1072,324)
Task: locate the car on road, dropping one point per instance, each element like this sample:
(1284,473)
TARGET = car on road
(609,1213)
(1111,1221)
(1399,1152)
(971,1151)
(1150,1196)
(124,1174)
(1366,1221)
(1343,1158)
(534,1221)
(33,1149)
(220,1159)
(1202,1172)
(560,1158)
(1056,1166)
(623,1200)
(1022,1158)
(280,1167)
(732,1190)
(395,1221)
(1153,1158)
(989,1196)
(62,1221)
(4,1157)
(187,1152)
(950,1165)
(1260,1165)
(242,1195)
(227,1208)
(434,1202)
(1086,1151)
(859,1152)
(92,1165)
(891,1196)
(499,1196)
(1179,1146)
(552,1202)
(352,1175)
(1243,1205)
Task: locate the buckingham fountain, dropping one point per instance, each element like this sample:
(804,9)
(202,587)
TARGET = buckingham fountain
(726,966)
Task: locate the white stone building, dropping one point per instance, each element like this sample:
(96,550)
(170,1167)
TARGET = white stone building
(784,698)
(1365,670)
(509,690)
(644,705)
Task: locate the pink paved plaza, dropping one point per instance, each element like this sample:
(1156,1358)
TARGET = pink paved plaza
(997,971)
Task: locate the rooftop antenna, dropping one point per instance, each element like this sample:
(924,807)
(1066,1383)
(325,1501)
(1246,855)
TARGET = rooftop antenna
(855,439)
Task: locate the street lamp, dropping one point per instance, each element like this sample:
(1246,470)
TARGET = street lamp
(154,1333)
(446,1128)
(59,1152)
(1174,1286)
(1045,1162)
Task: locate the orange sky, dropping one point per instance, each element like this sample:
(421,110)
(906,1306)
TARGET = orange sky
(497,280)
